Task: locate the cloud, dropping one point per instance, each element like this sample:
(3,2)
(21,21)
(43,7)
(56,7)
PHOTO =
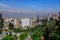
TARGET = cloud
(17,11)
(13,10)
(5,6)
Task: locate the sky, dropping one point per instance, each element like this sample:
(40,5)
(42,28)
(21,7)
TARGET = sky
(22,8)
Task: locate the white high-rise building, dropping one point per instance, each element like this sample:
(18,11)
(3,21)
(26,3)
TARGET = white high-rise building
(25,22)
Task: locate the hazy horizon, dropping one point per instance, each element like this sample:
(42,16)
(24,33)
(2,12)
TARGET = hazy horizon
(26,8)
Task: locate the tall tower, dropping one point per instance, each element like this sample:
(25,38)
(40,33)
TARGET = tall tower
(33,16)
(38,18)
(48,17)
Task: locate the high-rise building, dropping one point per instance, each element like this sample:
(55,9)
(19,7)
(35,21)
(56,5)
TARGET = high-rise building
(37,19)
(48,17)
(25,22)
(59,13)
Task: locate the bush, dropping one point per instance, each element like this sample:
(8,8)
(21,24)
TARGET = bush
(35,37)
(5,38)
(23,36)
(17,30)
(8,38)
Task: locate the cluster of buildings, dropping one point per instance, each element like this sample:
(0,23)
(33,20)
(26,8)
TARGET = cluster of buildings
(19,22)
(26,22)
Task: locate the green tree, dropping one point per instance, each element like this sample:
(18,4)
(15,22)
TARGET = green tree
(9,38)
(23,36)
(11,26)
(0,31)
(46,34)
(0,16)
(35,36)
(1,21)
(5,38)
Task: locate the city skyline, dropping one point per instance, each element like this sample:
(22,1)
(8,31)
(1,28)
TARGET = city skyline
(24,8)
